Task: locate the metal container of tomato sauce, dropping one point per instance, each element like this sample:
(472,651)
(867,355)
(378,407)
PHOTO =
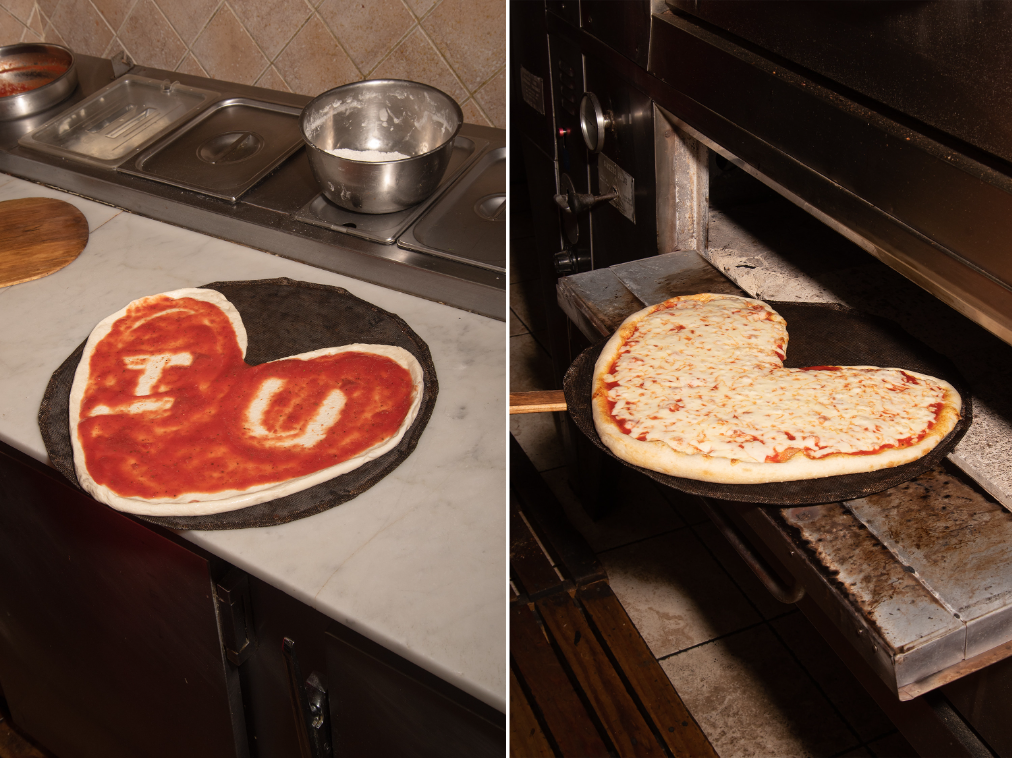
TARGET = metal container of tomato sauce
(34,77)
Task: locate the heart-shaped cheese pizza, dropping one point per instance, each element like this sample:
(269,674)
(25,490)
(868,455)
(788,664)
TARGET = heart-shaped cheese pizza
(695,387)
(167,418)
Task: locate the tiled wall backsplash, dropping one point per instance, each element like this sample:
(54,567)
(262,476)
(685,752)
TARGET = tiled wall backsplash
(304,46)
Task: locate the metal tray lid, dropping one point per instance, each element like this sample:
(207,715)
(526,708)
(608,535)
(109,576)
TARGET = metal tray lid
(468,222)
(119,120)
(225,150)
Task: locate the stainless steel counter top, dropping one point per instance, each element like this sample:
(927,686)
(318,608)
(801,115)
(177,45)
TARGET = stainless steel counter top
(264,218)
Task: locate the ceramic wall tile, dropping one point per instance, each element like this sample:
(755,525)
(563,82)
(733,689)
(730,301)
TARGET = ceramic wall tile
(35,23)
(304,46)
(466,31)
(751,698)
(492,98)
(191,65)
(52,35)
(314,62)
(147,29)
(10,27)
(82,26)
(30,35)
(20,9)
(675,592)
(227,51)
(114,12)
(473,114)
(420,7)
(418,59)
(272,23)
(367,31)
(188,17)
(113,48)
(271,79)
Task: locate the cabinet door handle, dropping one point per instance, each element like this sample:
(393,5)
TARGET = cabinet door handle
(235,616)
(310,706)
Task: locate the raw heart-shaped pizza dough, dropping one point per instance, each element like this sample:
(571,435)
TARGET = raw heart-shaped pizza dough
(695,387)
(167,419)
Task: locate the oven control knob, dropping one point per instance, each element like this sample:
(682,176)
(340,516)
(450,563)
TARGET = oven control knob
(594,121)
(570,261)
(577,203)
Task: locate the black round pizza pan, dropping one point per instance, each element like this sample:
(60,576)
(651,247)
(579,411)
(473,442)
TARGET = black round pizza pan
(820,334)
(283,317)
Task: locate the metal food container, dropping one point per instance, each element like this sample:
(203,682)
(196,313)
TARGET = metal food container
(117,122)
(34,77)
(382,145)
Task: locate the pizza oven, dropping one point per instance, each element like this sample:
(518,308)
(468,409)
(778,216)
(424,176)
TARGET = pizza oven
(841,153)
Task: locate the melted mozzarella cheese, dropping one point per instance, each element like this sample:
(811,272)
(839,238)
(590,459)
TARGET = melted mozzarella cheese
(709,378)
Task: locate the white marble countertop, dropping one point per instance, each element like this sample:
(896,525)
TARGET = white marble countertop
(418,562)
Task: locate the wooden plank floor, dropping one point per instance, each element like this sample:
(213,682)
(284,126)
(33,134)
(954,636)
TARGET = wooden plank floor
(583,681)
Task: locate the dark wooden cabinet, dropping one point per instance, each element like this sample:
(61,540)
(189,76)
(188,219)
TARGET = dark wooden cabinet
(113,640)
(382,706)
(380,703)
(109,641)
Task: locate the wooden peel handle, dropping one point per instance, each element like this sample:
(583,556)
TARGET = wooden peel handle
(546,401)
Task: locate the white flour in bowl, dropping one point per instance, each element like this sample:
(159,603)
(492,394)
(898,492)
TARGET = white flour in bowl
(367,156)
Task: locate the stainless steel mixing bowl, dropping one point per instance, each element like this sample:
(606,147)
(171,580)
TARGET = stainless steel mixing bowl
(380,116)
(33,77)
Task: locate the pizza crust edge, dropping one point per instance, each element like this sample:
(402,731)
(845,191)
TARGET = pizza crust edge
(233,499)
(657,456)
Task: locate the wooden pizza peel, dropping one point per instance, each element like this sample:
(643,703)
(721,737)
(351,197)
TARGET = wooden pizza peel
(38,235)
(541,401)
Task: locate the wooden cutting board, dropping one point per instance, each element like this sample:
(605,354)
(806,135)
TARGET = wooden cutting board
(38,235)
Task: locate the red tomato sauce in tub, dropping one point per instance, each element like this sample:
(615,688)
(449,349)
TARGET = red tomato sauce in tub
(171,408)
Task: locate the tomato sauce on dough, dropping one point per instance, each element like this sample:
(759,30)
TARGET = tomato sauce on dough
(171,408)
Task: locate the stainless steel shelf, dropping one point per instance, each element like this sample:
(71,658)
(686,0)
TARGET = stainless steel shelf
(265,217)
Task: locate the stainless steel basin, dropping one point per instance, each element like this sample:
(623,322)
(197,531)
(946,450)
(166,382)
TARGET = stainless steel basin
(34,77)
(382,145)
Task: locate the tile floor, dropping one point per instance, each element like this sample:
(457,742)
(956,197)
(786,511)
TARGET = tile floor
(756,675)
